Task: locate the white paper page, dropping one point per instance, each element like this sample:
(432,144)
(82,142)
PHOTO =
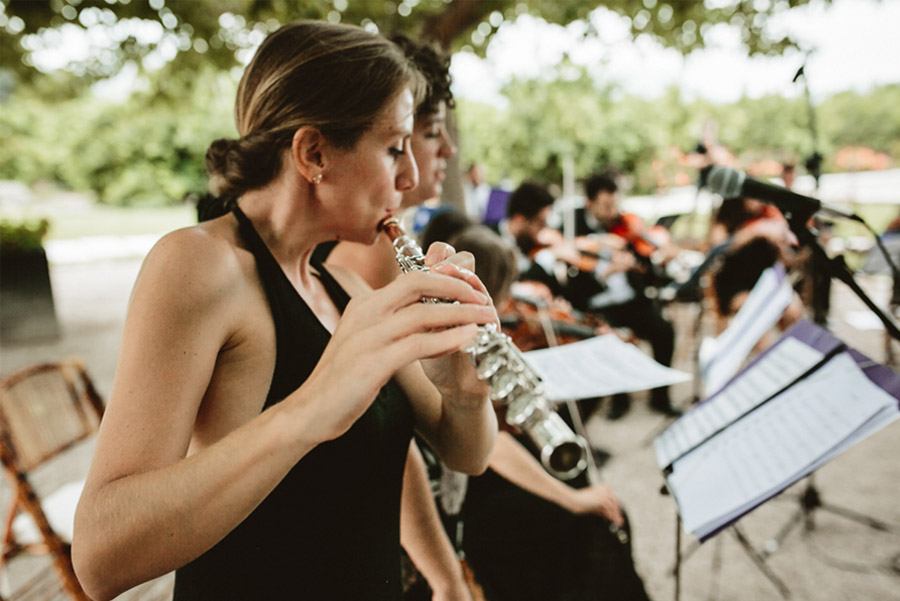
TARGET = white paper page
(881,419)
(782,365)
(598,366)
(721,358)
(863,320)
(773,446)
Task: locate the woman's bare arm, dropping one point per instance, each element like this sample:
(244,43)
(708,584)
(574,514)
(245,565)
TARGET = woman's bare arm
(374,263)
(147,508)
(514,463)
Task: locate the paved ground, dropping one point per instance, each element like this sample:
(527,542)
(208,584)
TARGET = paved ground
(840,560)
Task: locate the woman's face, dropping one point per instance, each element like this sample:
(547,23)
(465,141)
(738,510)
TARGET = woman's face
(432,147)
(364,184)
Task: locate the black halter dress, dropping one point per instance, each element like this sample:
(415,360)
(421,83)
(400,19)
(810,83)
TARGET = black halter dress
(330,530)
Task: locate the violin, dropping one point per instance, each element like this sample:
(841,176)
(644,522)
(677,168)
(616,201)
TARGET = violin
(530,311)
(643,242)
(582,253)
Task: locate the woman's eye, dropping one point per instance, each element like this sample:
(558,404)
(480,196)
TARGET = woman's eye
(433,133)
(397,152)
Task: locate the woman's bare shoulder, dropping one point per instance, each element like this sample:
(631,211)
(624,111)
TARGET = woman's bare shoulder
(206,260)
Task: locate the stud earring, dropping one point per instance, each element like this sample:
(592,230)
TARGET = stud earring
(317,178)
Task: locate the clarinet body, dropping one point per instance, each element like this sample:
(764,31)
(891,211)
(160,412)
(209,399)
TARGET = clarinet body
(512,381)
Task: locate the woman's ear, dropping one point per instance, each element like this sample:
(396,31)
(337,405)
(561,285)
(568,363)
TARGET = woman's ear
(306,153)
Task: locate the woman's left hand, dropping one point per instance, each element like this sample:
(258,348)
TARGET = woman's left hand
(455,591)
(454,375)
(598,499)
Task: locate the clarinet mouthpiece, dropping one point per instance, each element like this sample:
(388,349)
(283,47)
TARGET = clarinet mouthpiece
(391,227)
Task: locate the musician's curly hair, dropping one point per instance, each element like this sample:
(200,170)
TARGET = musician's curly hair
(434,66)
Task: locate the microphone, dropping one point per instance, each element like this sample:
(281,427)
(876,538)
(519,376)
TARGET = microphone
(731,183)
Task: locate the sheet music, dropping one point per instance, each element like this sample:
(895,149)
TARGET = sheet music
(722,357)
(782,365)
(598,366)
(777,444)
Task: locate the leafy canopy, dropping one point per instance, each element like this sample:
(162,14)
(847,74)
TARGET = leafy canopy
(215,32)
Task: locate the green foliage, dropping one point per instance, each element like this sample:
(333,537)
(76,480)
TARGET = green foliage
(871,119)
(147,151)
(600,128)
(23,236)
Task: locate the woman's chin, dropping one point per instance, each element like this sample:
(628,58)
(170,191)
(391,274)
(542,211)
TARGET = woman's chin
(417,196)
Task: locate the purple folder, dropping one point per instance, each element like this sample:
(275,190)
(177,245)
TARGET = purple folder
(495,212)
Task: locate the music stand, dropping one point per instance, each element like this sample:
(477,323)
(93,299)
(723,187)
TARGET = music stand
(758,559)
(810,499)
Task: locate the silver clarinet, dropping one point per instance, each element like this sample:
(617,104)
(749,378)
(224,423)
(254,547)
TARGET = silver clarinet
(513,382)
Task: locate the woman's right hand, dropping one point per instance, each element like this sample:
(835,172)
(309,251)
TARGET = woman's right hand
(384,330)
(598,499)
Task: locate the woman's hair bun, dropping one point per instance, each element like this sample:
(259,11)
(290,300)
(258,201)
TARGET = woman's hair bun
(222,165)
(235,166)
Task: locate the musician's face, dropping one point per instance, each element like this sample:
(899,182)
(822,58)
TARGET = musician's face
(525,229)
(604,206)
(432,147)
(364,184)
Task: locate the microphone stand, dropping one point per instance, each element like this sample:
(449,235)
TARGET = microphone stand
(836,266)
(816,271)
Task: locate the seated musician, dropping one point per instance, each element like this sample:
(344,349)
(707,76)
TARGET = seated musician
(527,535)
(630,308)
(755,236)
(601,287)
(541,255)
(437,573)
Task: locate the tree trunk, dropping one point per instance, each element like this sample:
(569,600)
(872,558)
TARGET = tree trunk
(444,28)
(452,194)
(458,17)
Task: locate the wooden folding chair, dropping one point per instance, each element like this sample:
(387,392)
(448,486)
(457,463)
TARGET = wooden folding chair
(44,410)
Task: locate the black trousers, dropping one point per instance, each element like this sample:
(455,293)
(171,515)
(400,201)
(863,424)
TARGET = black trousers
(644,318)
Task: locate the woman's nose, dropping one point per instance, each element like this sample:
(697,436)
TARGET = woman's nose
(408,174)
(448,149)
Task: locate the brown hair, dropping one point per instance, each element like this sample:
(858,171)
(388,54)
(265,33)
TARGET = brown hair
(334,77)
(495,262)
(434,65)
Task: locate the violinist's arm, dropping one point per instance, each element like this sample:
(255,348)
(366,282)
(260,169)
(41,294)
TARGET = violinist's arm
(422,533)
(609,242)
(514,463)
(621,261)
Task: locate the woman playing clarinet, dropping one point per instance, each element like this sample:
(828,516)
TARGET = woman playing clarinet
(262,409)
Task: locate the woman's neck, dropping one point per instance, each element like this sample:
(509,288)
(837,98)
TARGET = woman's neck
(284,216)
